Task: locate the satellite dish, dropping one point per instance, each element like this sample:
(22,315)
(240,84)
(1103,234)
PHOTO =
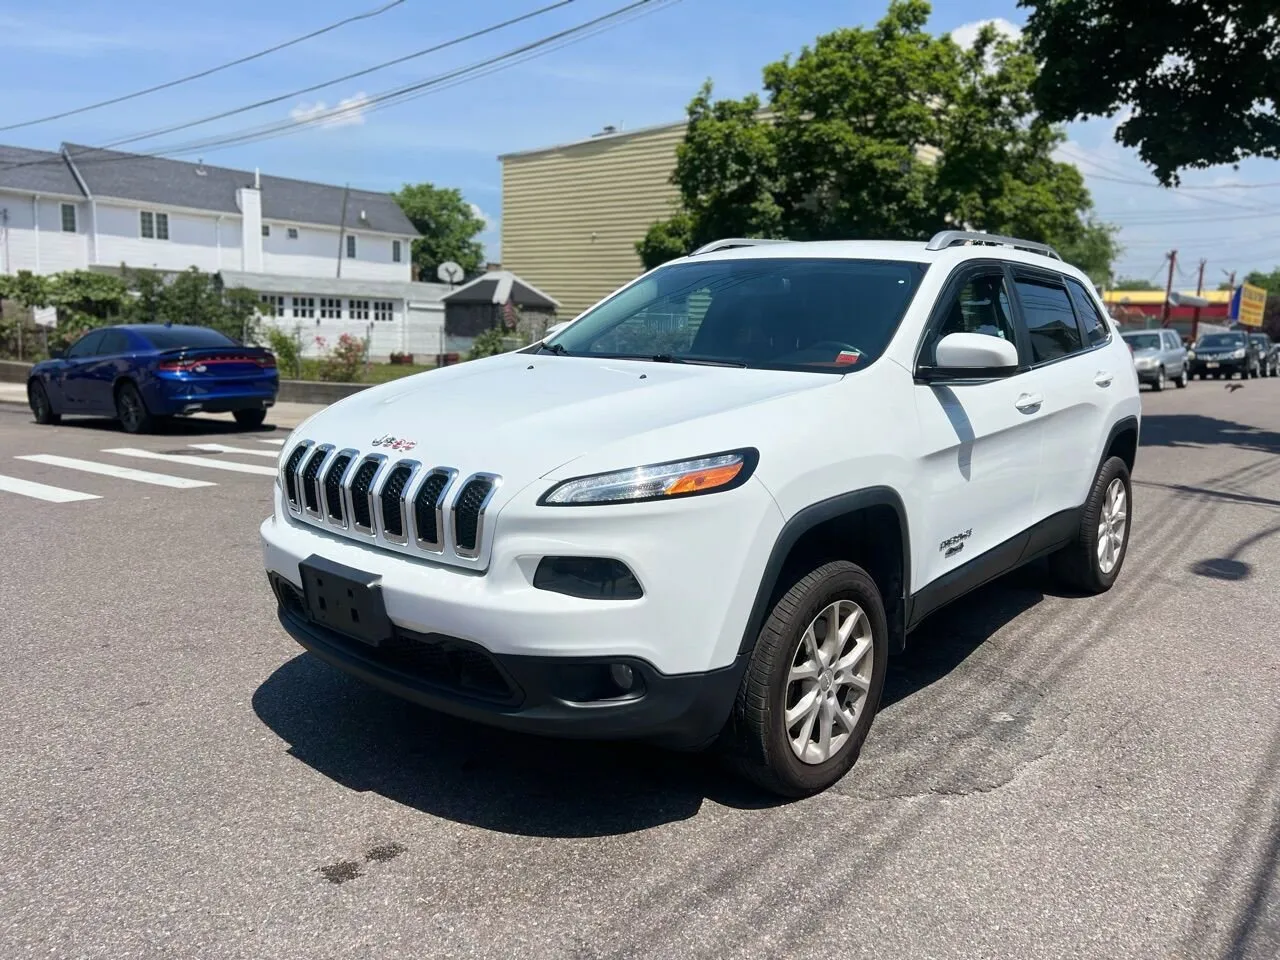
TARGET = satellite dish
(449,272)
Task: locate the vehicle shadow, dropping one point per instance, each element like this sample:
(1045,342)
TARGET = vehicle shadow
(531,786)
(178,427)
(1193,429)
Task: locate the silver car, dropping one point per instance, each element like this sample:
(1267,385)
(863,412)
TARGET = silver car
(1159,357)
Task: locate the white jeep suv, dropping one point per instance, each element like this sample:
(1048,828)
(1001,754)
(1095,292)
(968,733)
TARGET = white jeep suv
(708,509)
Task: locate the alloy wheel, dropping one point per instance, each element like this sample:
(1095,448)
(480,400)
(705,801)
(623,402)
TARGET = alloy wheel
(1112,524)
(828,682)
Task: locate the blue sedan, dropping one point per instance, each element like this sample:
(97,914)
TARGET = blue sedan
(140,372)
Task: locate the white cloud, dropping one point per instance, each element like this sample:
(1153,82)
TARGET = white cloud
(966,33)
(349,111)
(488,220)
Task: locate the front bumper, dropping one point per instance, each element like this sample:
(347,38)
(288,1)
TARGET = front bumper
(1224,367)
(549,696)
(1148,374)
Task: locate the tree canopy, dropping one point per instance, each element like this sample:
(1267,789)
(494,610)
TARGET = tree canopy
(1134,283)
(448,225)
(1194,81)
(884,133)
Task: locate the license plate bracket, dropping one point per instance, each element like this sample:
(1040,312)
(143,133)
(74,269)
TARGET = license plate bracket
(1212,364)
(345,600)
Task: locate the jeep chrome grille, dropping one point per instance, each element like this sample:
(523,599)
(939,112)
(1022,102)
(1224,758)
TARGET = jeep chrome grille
(401,504)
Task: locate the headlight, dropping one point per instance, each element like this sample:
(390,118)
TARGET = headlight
(1145,362)
(658,481)
(1237,354)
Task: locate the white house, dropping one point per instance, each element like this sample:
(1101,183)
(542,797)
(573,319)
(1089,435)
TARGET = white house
(325,260)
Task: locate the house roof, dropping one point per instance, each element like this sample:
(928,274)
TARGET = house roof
(146,179)
(337,286)
(501,286)
(36,171)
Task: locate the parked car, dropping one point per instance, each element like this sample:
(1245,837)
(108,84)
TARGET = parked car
(1158,357)
(140,372)
(1268,355)
(707,510)
(1225,355)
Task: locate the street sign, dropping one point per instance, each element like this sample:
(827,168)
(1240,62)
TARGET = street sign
(1248,305)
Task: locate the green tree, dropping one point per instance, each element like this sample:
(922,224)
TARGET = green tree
(887,133)
(448,225)
(1269,282)
(1134,283)
(148,289)
(1196,80)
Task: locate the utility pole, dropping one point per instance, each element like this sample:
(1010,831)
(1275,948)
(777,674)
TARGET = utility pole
(1195,318)
(1231,291)
(1168,288)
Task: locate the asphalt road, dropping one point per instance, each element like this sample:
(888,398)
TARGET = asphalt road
(1050,776)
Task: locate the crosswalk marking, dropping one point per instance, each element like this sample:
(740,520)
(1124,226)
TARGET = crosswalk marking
(223,448)
(42,491)
(112,470)
(194,461)
(278,443)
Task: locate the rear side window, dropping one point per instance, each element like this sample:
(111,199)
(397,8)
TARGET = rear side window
(113,342)
(1094,324)
(175,338)
(1050,320)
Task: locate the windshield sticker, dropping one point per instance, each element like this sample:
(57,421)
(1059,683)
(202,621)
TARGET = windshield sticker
(846,357)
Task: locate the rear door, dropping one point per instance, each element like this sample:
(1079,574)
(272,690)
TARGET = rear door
(1074,374)
(980,438)
(99,374)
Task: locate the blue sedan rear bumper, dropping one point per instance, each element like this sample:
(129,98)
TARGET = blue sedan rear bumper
(174,395)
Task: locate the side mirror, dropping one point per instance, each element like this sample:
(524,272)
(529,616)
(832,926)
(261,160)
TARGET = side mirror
(971,356)
(57,354)
(555,328)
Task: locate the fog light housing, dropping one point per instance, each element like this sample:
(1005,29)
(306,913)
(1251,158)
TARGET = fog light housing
(588,578)
(623,676)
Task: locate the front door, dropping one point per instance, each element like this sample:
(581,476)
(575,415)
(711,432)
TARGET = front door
(981,439)
(69,378)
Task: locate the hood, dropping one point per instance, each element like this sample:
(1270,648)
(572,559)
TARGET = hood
(523,415)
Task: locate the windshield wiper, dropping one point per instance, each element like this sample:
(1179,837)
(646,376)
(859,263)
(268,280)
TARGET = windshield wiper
(554,348)
(669,358)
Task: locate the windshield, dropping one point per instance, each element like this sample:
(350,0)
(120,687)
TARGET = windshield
(1261,339)
(1222,341)
(1144,341)
(822,315)
(175,338)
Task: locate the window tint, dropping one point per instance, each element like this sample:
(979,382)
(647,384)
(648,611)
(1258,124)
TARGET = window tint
(835,316)
(980,306)
(87,345)
(112,343)
(1050,319)
(175,338)
(1095,325)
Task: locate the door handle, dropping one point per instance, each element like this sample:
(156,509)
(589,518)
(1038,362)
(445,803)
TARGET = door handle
(1103,378)
(1029,402)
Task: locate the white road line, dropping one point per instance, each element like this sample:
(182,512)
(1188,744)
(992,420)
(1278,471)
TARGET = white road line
(223,448)
(42,491)
(278,443)
(194,461)
(111,470)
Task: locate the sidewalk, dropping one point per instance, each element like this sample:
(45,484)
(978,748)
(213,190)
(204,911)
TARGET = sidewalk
(283,415)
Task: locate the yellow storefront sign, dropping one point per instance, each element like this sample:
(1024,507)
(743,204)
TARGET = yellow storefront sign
(1253,304)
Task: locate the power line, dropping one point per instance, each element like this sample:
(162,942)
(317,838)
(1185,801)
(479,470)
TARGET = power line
(442,81)
(343,79)
(367,15)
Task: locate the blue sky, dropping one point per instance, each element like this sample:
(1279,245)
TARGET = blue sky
(62,54)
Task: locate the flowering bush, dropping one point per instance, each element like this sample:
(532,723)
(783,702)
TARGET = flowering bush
(341,363)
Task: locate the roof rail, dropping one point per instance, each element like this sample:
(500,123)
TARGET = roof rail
(952,238)
(730,244)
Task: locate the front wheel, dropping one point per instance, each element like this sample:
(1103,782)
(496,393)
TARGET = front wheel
(813,683)
(1092,562)
(1182,379)
(41,407)
(1160,381)
(250,418)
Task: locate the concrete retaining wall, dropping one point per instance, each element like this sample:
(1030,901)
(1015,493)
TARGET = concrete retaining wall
(291,391)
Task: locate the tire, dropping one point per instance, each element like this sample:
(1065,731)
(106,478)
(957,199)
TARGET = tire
(1161,381)
(131,410)
(41,406)
(756,739)
(1079,564)
(250,418)
(1183,377)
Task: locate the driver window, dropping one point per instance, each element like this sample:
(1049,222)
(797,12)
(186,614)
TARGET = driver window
(981,305)
(86,346)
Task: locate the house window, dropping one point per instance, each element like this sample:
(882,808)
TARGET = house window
(272,305)
(304,307)
(68,218)
(359,309)
(383,310)
(395,251)
(330,308)
(153,226)
(292,233)
(266,229)
(351,248)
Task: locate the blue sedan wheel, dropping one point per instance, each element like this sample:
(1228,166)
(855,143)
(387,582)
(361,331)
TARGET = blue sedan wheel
(41,408)
(131,410)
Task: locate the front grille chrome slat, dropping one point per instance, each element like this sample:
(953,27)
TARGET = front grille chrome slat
(403,505)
